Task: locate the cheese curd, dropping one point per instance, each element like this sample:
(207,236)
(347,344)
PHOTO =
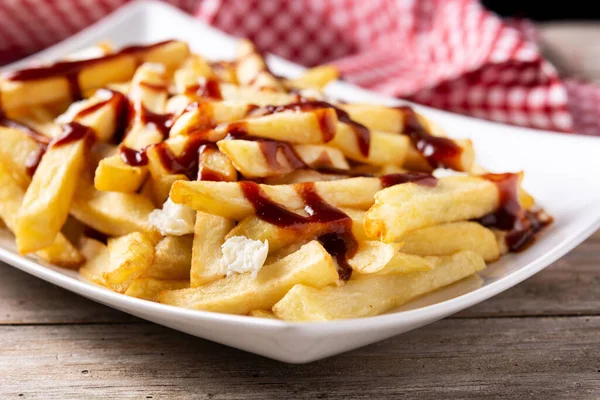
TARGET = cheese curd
(173,219)
(241,255)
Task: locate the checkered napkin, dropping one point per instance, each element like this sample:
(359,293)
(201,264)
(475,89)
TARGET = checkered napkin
(448,54)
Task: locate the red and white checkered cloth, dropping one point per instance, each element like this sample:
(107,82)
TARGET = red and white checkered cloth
(449,54)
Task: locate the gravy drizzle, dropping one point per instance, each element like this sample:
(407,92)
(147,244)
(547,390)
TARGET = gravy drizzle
(70,70)
(209,89)
(33,159)
(521,225)
(440,152)
(186,162)
(337,237)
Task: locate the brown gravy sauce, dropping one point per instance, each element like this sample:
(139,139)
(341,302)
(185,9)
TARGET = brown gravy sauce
(521,225)
(337,239)
(439,152)
(70,70)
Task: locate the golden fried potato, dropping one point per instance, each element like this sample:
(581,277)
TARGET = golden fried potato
(240,293)
(374,295)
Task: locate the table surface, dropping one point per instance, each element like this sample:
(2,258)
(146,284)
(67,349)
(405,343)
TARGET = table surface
(540,339)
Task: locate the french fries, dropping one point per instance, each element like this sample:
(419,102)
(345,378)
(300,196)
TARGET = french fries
(150,288)
(404,208)
(47,200)
(239,294)
(447,239)
(263,159)
(374,295)
(209,235)
(17,147)
(129,257)
(227,199)
(218,186)
(172,259)
(60,252)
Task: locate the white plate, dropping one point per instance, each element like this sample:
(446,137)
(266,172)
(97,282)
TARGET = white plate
(561,171)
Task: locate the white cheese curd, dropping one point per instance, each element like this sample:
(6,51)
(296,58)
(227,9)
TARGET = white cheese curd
(241,255)
(173,219)
(444,172)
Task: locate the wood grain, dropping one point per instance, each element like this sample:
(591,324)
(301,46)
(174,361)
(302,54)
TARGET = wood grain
(507,357)
(569,287)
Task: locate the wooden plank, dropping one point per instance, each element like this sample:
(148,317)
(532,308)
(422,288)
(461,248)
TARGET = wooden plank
(569,287)
(511,358)
(26,299)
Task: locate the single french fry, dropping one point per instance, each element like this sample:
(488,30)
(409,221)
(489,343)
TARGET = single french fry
(252,70)
(374,295)
(114,175)
(214,165)
(60,252)
(198,117)
(171,54)
(262,159)
(376,117)
(310,127)
(240,293)
(209,235)
(446,239)
(150,288)
(98,261)
(403,208)
(384,148)
(129,256)
(16,149)
(148,89)
(46,204)
(227,198)
(262,314)
(315,78)
(172,259)
(190,71)
(101,112)
(113,213)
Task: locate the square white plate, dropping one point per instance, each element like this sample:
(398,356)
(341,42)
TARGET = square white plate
(561,172)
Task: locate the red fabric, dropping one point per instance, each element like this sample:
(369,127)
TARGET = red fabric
(449,54)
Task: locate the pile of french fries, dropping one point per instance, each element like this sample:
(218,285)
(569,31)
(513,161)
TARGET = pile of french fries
(197,137)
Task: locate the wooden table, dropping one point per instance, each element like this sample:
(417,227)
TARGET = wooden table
(540,339)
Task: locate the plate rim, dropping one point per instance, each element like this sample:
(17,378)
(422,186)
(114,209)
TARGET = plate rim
(433,311)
